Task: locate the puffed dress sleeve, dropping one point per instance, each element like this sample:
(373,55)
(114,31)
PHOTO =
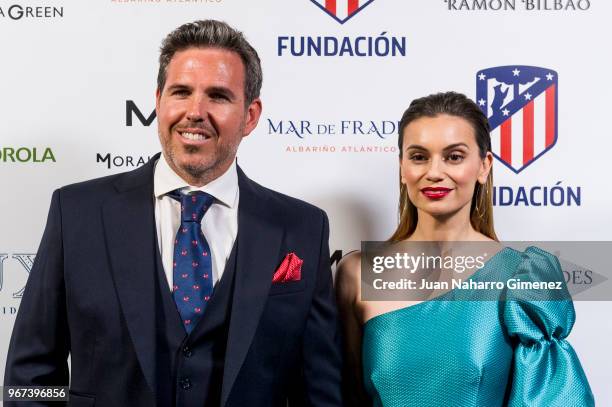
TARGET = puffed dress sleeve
(546,369)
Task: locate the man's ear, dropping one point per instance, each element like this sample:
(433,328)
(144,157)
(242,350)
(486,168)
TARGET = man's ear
(157,98)
(253,113)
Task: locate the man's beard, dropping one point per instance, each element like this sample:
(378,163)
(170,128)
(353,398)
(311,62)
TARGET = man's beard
(206,169)
(197,170)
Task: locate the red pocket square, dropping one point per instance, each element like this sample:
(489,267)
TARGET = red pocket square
(289,270)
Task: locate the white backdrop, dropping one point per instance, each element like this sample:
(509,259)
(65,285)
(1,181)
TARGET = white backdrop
(66,78)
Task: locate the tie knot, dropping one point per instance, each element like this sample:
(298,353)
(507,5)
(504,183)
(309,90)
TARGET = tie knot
(193,205)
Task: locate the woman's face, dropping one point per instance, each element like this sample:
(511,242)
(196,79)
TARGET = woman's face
(441,164)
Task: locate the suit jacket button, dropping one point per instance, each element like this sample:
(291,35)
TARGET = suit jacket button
(187,352)
(185,384)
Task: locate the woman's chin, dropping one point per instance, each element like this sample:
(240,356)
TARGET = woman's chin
(438,210)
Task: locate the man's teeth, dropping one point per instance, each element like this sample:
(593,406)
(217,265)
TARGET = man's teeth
(194,136)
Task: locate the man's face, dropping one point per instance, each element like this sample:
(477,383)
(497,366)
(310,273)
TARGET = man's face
(201,113)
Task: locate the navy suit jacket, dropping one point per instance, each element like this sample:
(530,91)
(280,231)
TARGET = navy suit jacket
(91,293)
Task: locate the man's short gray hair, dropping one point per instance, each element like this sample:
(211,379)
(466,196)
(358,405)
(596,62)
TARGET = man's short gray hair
(213,34)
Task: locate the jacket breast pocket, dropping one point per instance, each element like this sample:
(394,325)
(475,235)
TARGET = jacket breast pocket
(289,287)
(80,400)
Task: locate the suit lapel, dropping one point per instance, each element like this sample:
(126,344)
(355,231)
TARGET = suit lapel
(259,241)
(129,225)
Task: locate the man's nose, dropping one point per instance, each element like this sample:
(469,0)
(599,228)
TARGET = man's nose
(196,110)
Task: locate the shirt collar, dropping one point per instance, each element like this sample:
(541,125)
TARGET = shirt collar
(223,188)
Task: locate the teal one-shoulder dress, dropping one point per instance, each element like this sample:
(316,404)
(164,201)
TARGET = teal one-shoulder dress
(449,352)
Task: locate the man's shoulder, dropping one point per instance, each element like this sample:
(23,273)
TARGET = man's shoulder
(288,207)
(97,189)
(293,204)
(94,185)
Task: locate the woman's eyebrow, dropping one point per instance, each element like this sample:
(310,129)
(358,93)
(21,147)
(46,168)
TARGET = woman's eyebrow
(416,146)
(449,147)
(455,145)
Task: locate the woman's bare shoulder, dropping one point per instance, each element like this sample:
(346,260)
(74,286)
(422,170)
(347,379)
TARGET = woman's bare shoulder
(349,267)
(348,275)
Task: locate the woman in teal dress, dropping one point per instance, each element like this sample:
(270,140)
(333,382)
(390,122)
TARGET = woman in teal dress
(449,352)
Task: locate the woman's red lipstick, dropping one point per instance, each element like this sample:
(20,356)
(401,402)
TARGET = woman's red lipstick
(435,192)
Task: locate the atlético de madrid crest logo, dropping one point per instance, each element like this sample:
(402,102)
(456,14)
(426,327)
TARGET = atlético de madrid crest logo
(342,10)
(522,107)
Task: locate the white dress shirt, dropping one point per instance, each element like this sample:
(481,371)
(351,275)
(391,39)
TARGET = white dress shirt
(219,225)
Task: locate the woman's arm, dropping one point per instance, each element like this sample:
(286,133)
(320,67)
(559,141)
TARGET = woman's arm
(348,296)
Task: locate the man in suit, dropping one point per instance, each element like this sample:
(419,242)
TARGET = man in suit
(184,282)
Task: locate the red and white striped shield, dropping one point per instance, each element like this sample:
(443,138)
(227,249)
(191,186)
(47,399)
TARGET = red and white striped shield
(342,10)
(521,105)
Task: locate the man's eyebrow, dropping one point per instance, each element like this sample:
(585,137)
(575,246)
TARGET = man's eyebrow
(178,86)
(221,89)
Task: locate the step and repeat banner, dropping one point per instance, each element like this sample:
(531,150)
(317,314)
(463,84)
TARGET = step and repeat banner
(77,99)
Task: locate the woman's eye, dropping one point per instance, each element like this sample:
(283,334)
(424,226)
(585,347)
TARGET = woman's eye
(417,157)
(455,157)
